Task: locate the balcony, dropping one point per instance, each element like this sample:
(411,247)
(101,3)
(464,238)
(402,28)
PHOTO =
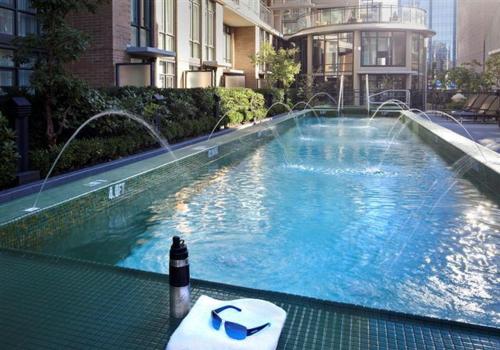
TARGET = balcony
(353,15)
(258,8)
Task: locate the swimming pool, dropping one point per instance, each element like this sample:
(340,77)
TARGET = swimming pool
(327,210)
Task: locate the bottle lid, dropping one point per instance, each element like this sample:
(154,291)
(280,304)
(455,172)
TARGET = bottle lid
(178,250)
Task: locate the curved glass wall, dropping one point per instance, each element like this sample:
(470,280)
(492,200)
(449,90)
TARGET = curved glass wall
(295,21)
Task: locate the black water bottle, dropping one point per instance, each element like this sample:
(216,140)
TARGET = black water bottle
(179,279)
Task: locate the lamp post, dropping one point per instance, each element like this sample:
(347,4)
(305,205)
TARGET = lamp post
(20,109)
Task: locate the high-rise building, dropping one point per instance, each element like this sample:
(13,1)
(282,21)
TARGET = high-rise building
(442,19)
(478,32)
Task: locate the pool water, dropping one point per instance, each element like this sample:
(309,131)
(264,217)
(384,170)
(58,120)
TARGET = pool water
(337,209)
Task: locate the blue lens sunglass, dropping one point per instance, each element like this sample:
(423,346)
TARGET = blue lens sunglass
(234,330)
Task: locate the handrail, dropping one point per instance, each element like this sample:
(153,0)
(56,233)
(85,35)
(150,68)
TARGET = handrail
(406,91)
(355,15)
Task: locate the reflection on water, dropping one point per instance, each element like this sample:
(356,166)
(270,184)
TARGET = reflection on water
(333,222)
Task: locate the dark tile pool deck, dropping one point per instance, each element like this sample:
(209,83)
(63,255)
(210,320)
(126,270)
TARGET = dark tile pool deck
(487,134)
(57,303)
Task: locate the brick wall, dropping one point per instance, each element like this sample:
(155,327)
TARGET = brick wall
(245,43)
(109,31)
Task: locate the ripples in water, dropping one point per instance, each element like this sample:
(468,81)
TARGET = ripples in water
(332,221)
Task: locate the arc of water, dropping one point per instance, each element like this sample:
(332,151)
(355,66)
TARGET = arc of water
(216,125)
(310,107)
(421,112)
(277,136)
(463,128)
(125,114)
(322,94)
(461,166)
(279,103)
(403,126)
(395,102)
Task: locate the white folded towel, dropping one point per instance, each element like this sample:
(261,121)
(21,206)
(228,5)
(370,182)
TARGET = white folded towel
(196,332)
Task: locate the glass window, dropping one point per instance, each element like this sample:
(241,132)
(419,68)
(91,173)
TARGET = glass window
(24,76)
(228,45)
(333,53)
(194,33)
(6,78)
(9,3)
(165,19)
(6,21)
(210,30)
(26,24)
(166,74)
(140,21)
(383,48)
(6,58)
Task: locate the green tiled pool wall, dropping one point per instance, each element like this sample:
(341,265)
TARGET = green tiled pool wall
(61,303)
(478,173)
(31,231)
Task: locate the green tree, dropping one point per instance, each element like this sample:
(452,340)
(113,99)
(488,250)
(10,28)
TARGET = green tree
(284,68)
(280,66)
(493,70)
(57,45)
(467,77)
(264,59)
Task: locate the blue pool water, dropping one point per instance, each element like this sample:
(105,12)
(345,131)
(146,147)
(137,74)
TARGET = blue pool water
(329,211)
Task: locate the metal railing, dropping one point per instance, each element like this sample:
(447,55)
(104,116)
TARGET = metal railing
(354,15)
(380,97)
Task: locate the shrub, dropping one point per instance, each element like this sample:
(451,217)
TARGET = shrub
(86,152)
(241,105)
(181,114)
(8,154)
(272,98)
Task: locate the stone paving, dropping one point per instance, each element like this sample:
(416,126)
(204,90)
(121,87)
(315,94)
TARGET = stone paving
(487,134)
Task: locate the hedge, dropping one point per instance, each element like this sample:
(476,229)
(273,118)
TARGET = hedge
(8,154)
(178,113)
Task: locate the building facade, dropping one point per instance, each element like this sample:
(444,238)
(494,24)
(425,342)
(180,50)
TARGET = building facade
(165,43)
(17,18)
(478,32)
(361,47)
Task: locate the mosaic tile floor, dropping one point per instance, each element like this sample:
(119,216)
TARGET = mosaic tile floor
(57,303)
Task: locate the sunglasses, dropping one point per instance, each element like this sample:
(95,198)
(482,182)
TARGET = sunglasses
(234,330)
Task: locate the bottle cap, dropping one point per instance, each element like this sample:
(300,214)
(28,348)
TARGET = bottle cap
(178,250)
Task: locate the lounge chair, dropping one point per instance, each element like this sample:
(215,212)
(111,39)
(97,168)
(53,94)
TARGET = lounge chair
(474,108)
(493,111)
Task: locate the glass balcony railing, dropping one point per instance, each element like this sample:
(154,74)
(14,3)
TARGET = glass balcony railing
(354,15)
(259,8)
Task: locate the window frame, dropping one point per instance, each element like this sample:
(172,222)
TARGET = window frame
(195,27)
(166,75)
(168,18)
(15,70)
(210,20)
(375,35)
(141,23)
(228,34)
(17,11)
